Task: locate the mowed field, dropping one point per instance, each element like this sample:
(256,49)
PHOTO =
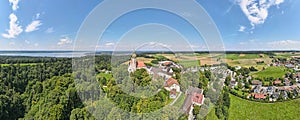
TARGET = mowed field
(272,71)
(241,109)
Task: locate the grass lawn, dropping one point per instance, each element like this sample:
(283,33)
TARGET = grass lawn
(241,109)
(272,71)
(211,115)
(242,56)
(180,101)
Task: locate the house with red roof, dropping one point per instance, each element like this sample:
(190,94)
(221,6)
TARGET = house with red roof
(277,82)
(260,96)
(198,99)
(171,84)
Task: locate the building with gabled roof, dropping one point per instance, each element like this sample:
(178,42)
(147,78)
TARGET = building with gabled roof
(171,83)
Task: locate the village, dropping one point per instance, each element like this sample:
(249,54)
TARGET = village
(194,96)
(276,89)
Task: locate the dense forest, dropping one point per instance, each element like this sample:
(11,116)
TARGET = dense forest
(41,88)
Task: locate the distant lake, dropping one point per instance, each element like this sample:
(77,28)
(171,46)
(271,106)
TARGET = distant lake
(43,53)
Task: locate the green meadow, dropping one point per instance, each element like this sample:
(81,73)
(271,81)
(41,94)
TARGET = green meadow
(272,71)
(241,109)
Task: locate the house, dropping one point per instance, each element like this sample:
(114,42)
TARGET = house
(287,82)
(198,99)
(260,96)
(238,67)
(248,78)
(289,65)
(256,82)
(270,89)
(233,84)
(257,89)
(275,95)
(194,97)
(277,82)
(171,84)
(191,99)
(285,95)
(173,94)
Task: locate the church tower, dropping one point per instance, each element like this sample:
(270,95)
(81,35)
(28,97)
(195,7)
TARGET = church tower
(132,64)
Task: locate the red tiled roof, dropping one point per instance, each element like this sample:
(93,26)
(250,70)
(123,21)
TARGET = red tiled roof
(198,98)
(170,82)
(256,82)
(140,64)
(280,88)
(260,96)
(276,82)
(167,63)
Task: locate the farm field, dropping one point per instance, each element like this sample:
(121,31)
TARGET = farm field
(241,109)
(275,72)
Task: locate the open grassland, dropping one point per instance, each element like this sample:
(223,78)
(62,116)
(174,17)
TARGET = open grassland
(243,56)
(241,109)
(286,54)
(189,63)
(272,71)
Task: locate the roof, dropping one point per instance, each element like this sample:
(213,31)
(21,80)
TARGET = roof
(173,92)
(277,82)
(260,96)
(167,63)
(141,64)
(170,82)
(198,98)
(256,82)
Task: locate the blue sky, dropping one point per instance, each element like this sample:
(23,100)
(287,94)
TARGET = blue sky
(243,25)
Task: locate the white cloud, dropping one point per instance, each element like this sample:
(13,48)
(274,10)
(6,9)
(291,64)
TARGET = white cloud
(285,44)
(64,41)
(257,10)
(33,26)
(109,44)
(50,30)
(242,28)
(14,4)
(14,28)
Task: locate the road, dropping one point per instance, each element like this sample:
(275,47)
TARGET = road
(176,98)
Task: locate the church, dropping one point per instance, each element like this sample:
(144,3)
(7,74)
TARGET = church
(134,64)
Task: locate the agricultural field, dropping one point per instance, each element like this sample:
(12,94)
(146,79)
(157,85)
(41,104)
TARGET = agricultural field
(286,54)
(241,109)
(276,72)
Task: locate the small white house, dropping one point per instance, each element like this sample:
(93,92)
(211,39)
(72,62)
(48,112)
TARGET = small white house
(171,84)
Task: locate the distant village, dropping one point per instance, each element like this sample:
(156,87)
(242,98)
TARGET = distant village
(282,88)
